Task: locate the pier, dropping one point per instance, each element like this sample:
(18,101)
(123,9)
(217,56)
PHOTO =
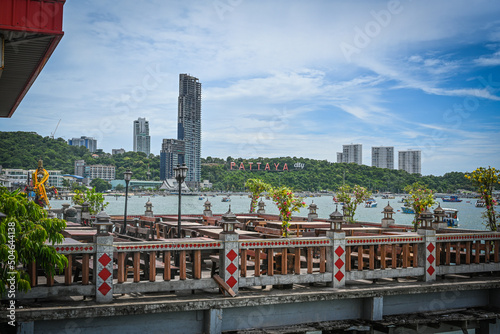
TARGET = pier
(233,273)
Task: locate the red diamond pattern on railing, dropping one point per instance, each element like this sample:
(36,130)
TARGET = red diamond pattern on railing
(104,274)
(231,281)
(431,270)
(339,251)
(104,259)
(430,247)
(339,276)
(232,255)
(339,263)
(231,268)
(104,288)
(430,259)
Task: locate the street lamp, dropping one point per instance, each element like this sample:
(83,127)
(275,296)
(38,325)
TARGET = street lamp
(180,173)
(126,176)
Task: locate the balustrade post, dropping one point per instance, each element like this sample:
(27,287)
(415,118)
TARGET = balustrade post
(229,260)
(335,258)
(427,254)
(103,268)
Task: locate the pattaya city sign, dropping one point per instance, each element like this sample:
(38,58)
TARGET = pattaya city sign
(259,166)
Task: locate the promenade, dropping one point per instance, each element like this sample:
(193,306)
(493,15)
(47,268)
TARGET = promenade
(233,273)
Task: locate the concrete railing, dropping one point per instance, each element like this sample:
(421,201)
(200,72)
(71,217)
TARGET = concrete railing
(103,268)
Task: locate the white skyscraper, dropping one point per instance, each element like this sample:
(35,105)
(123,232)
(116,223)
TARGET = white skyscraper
(142,140)
(352,153)
(383,157)
(410,161)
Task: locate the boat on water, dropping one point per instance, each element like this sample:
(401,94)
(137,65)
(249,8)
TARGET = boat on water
(451,217)
(451,199)
(370,203)
(226,199)
(480,203)
(201,197)
(407,209)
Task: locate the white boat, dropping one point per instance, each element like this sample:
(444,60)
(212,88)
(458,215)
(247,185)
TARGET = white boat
(370,203)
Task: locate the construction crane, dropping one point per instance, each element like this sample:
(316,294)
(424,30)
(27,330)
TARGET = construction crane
(53,133)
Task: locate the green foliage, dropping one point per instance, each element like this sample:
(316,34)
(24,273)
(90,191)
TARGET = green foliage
(23,236)
(120,187)
(351,197)
(485,180)
(287,203)
(320,175)
(419,198)
(93,198)
(100,185)
(256,187)
(23,149)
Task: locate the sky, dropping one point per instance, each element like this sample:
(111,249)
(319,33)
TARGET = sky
(280,78)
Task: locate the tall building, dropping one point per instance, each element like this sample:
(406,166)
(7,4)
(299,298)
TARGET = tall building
(410,161)
(339,157)
(352,153)
(142,140)
(189,125)
(383,157)
(172,150)
(88,142)
(116,151)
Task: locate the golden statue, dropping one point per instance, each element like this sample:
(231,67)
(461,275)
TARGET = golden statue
(40,177)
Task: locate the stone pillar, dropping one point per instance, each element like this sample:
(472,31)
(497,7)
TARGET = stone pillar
(229,260)
(213,321)
(103,266)
(207,212)
(335,258)
(70,215)
(86,214)
(78,216)
(312,212)
(261,206)
(25,327)
(373,308)
(149,209)
(427,254)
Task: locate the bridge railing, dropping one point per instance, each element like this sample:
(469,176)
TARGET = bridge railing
(371,257)
(103,268)
(467,252)
(284,261)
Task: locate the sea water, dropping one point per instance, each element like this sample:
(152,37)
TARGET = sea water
(469,215)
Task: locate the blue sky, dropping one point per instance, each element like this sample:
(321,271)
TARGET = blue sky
(280,78)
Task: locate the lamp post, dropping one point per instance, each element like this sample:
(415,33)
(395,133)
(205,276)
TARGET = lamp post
(180,173)
(126,176)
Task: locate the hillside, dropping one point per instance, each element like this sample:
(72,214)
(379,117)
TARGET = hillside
(23,149)
(319,175)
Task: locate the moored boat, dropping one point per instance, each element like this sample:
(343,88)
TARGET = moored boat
(451,217)
(451,199)
(370,203)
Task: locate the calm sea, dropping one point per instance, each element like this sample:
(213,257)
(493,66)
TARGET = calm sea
(469,216)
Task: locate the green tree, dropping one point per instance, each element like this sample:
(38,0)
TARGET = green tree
(287,203)
(95,200)
(256,187)
(26,235)
(419,198)
(100,185)
(120,187)
(485,180)
(351,197)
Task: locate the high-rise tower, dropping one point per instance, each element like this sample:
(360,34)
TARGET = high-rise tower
(410,161)
(142,140)
(383,156)
(189,125)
